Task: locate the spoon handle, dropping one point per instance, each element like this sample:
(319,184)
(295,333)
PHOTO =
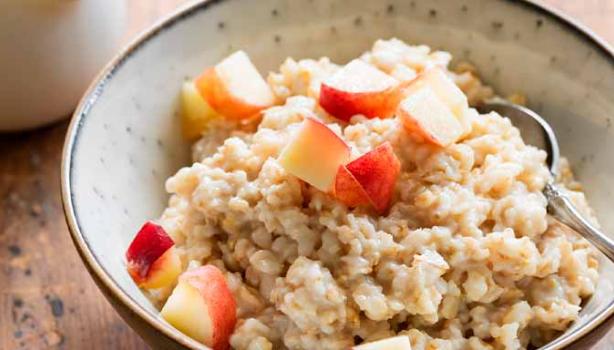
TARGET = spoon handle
(561,207)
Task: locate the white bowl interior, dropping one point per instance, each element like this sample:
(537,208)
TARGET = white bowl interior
(128,140)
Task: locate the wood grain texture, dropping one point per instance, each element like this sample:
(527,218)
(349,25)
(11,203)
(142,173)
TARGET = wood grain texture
(47,299)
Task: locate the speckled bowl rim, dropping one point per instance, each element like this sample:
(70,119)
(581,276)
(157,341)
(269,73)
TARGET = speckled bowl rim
(94,91)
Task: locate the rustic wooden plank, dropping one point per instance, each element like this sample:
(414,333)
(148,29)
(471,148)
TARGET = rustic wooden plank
(47,299)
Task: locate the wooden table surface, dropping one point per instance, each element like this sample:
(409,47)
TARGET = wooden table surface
(47,298)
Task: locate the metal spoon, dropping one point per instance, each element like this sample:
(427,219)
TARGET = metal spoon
(537,132)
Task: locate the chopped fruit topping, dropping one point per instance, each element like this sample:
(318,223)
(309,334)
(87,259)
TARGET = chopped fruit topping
(152,259)
(445,89)
(370,178)
(360,88)
(348,190)
(235,88)
(424,115)
(314,154)
(196,112)
(203,307)
(400,342)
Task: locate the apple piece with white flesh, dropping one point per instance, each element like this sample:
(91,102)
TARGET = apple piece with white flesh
(196,112)
(443,86)
(234,88)
(425,115)
(360,88)
(203,307)
(370,178)
(314,154)
(152,259)
(400,342)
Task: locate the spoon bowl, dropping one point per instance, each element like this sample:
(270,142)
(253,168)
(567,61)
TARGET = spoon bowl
(534,129)
(537,132)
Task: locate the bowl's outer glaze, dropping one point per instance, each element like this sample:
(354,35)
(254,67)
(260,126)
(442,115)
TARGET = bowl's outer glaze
(124,140)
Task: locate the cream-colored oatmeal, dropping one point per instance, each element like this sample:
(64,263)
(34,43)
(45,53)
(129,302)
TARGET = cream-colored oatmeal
(466,258)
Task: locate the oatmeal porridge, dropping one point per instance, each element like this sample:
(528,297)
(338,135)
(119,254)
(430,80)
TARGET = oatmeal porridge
(330,206)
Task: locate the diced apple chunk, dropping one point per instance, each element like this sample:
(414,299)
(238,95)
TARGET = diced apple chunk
(185,310)
(235,88)
(196,112)
(370,178)
(164,271)
(425,115)
(203,307)
(443,86)
(360,88)
(348,190)
(400,342)
(152,259)
(314,154)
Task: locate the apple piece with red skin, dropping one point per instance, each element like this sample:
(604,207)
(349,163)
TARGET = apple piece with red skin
(348,190)
(152,259)
(426,116)
(400,342)
(443,86)
(370,178)
(360,88)
(203,307)
(314,154)
(234,88)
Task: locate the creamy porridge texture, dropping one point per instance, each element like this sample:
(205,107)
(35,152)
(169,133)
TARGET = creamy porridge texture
(465,257)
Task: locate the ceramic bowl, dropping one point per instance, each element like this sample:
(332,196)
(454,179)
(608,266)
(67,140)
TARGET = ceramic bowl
(124,140)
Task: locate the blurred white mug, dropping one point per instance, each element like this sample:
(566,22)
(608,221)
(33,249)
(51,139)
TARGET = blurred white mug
(49,52)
